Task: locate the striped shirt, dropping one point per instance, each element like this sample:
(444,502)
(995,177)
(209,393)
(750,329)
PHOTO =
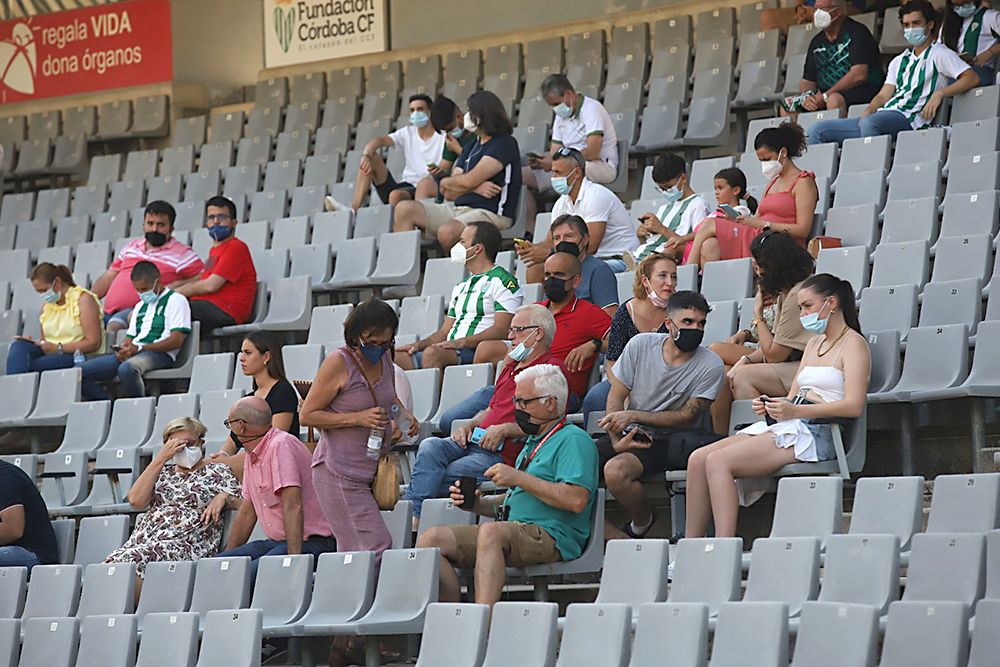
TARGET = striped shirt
(916,77)
(174,260)
(153,322)
(476,300)
(680,217)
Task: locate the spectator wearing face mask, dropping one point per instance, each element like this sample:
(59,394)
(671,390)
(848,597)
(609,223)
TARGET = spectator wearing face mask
(843,65)
(182,497)
(918,81)
(481,306)
(157,329)
(224,293)
(788,203)
(421,145)
(663,383)
(972,29)
(571,235)
(178,264)
(672,228)
(609,229)
(447,118)
(801,13)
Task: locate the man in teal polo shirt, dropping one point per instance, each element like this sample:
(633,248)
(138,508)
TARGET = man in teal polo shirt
(545,516)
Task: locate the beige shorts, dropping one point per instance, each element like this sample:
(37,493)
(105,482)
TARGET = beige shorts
(531,546)
(438,214)
(598,171)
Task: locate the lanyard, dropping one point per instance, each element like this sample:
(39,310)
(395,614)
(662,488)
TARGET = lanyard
(528,459)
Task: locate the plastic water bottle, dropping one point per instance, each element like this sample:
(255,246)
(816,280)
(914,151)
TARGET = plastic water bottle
(79,357)
(374,448)
(403,422)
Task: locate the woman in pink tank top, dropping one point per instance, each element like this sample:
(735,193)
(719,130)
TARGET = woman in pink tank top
(350,402)
(787,205)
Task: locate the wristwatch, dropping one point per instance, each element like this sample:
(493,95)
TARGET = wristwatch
(598,344)
(826,98)
(59,348)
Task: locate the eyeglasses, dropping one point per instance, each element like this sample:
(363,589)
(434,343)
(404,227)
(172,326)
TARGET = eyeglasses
(514,330)
(522,403)
(229,422)
(219,217)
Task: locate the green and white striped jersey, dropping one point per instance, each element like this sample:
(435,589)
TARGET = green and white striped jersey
(153,322)
(916,77)
(476,300)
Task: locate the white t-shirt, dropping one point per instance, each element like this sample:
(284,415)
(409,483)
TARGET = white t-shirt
(595,203)
(915,79)
(416,152)
(592,118)
(985,26)
(680,217)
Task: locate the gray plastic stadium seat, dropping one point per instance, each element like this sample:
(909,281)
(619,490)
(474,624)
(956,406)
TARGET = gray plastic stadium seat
(398,260)
(542,58)
(49,642)
(399,522)
(377,106)
(99,536)
(912,180)
(967,214)
(808,507)
(14,265)
(985,646)
(65,530)
(464,64)
(308,87)
(189,131)
(290,232)
(164,188)
(595,634)
(243,180)
(421,315)
(910,219)
(172,406)
(108,589)
(220,583)
(60,389)
(522,633)
(271,92)
(152,117)
(937,358)
(860,187)
(900,264)
(721,322)
(105,169)
(10,641)
(707,570)
(343,592)
(925,145)
(759,82)
(929,633)
(253,150)
(107,640)
(167,587)
(86,427)
(17,207)
(307,200)
(56,255)
(442,512)
(226,127)
(114,472)
(425,383)
(758,629)
(33,235)
(282,588)
(660,127)
(291,305)
(270,205)
(347,80)
(635,572)
(93,259)
(216,156)
(440,277)
(71,231)
(340,111)
(53,591)
(952,302)
(854,225)
(973,173)
(322,171)
(423,73)
(327,324)
(889,308)
(679,630)
(708,121)
(64,479)
(169,640)
(140,165)
(52,203)
(713,52)
(372,221)
(460,382)
(946,567)
(282,175)
(42,125)
(293,145)
(69,155)
(960,257)
(865,154)
(89,199)
(80,120)
(784,570)
(127,195)
(114,119)
(385,76)
(727,279)
(302,361)
(355,262)
(313,260)
(13,587)
(972,138)
(832,634)
(861,569)
(198,187)
(454,634)
(33,157)
(231,639)
(981,103)
(131,421)
(211,372)
(965,504)
(888,505)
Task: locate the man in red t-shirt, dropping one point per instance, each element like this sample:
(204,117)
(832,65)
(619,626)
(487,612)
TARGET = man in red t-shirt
(440,461)
(225,293)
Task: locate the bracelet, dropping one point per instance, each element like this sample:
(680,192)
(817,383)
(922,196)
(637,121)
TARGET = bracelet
(747,357)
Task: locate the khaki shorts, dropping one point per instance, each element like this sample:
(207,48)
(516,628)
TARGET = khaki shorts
(438,214)
(531,546)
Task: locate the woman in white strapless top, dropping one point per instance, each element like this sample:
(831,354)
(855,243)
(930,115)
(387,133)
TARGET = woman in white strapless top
(832,378)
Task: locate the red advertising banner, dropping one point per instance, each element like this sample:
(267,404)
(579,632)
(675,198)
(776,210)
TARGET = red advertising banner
(85,50)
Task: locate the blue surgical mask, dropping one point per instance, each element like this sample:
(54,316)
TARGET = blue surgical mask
(457,132)
(50,296)
(418,119)
(915,36)
(219,232)
(965,11)
(562,110)
(672,194)
(561,185)
(372,352)
(148,297)
(520,352)
(813,324)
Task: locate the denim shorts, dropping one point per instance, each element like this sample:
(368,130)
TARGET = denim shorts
(465,356)
(823,437)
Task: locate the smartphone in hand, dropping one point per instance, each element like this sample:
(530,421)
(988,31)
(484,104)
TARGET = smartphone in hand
(768,419)
(730,212)
(477,435)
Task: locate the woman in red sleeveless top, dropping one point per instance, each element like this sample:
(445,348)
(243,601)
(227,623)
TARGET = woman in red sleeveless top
(787,205)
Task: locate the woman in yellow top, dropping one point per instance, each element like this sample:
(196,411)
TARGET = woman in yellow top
(71,322)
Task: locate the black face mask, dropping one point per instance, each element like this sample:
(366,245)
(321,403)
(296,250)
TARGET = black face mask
(567,247)
(236,440)
(156,239)
(555,289)
(688,340)
(524,422)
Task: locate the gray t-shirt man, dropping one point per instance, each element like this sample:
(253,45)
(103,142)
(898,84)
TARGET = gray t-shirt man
(655,386)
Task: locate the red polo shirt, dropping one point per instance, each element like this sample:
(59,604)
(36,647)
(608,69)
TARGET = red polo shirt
(577,323)
(232,260)
(501,408)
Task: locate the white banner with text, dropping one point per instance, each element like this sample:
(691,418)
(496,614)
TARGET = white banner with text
(303,31)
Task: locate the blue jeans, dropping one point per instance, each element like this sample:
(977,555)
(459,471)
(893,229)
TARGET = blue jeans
(314,545)
(596,399)
(616,265)
(119,316)
(465,356)
(26,357)
(129,372)
(441,461)
(13,556)
(876,124)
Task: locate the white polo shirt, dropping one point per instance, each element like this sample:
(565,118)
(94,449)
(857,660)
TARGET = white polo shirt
(592,118)
(596,203)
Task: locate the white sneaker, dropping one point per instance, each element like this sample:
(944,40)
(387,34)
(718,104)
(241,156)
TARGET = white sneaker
(670,571)
(331,205)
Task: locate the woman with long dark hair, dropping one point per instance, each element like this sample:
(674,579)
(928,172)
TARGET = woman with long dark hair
(831,384)
(763,358)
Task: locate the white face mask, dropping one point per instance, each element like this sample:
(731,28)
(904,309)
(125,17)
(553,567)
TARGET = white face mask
(770,168)
(822,19)
(468,123)
(188,457)
(459,254)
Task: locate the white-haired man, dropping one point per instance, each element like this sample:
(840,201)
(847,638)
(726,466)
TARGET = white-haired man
(492,436)
(545,515)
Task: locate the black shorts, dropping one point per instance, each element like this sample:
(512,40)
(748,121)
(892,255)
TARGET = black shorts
(389,184)
(653,460)
(670,451)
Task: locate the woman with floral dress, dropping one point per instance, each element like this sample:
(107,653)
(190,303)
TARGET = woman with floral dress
(183,496)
